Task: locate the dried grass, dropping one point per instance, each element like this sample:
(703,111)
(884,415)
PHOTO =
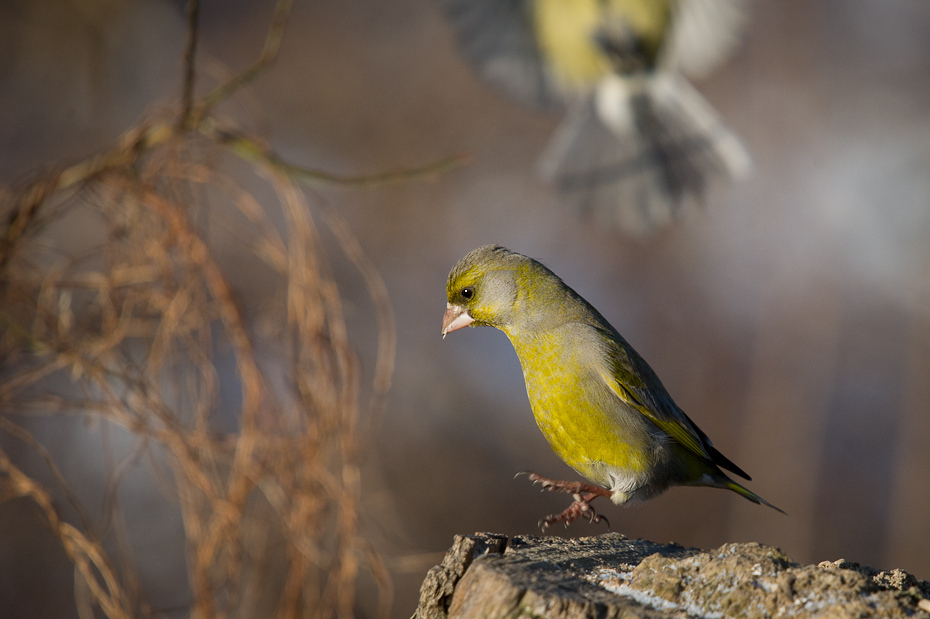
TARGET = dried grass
(136,323)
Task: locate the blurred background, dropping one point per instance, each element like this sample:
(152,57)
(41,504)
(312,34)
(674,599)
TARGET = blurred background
(789,316)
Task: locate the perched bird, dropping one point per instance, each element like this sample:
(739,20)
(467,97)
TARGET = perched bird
(638,141)
(598,403)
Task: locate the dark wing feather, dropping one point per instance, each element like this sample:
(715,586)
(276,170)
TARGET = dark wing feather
(497,37)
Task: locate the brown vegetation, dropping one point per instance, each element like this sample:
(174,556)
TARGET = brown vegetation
(126,325)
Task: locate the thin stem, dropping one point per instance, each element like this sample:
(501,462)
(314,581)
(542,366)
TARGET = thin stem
(190,62)
(269,55)
(254,152)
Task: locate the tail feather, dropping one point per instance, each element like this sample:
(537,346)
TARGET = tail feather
(746,493)
(721,460)
(640,148)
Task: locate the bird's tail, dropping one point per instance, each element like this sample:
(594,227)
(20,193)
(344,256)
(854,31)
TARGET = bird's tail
(744,492)
(639,147)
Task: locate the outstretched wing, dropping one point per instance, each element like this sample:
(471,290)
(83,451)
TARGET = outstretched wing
(702,34)
(497,36)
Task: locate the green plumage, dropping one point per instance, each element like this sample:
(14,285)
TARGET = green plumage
(598,403)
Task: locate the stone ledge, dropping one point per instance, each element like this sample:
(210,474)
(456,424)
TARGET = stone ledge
(487,576)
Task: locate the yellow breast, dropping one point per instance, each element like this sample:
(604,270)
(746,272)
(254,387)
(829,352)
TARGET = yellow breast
(565,32)
(585,423)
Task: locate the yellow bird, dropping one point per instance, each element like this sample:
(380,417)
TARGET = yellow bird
(638,142)
(598,403)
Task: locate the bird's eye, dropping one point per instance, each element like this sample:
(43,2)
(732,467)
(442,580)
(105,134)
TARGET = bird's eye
(468,292)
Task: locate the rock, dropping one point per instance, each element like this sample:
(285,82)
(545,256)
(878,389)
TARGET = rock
(439,584)
(488,575)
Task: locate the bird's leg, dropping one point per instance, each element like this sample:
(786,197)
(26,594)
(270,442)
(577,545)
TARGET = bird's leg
(569,487)
(582,492)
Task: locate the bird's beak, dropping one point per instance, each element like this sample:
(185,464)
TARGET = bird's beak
(455,318)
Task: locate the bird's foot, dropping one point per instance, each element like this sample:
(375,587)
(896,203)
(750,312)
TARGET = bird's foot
(580,507)
(582,492)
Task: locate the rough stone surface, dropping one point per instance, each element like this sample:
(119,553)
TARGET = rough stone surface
(610,576)
(439,584)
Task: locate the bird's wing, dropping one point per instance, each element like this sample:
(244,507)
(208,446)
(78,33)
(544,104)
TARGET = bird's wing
(632,380)
(702,34)
(661,411)
(497,36)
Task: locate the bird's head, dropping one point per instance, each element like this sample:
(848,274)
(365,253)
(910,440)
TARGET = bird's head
(482,289)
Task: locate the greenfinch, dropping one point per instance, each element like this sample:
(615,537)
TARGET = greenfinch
(638,142)
(598,403)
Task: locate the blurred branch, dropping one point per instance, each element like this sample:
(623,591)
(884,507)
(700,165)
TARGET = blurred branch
(24,435)
(190,62)
(252,151)
(87,555)
(194,115)
(269,54)
(24,212)
(384,366)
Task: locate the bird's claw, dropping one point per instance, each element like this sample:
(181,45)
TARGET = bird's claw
(582,493)
(579,508)
(547,484)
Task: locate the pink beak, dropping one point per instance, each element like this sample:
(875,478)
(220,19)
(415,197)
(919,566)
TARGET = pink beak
(454,319)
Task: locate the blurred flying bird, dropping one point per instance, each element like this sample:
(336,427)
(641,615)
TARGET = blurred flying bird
(637,141)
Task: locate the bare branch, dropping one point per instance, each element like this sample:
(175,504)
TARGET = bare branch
(190,63)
